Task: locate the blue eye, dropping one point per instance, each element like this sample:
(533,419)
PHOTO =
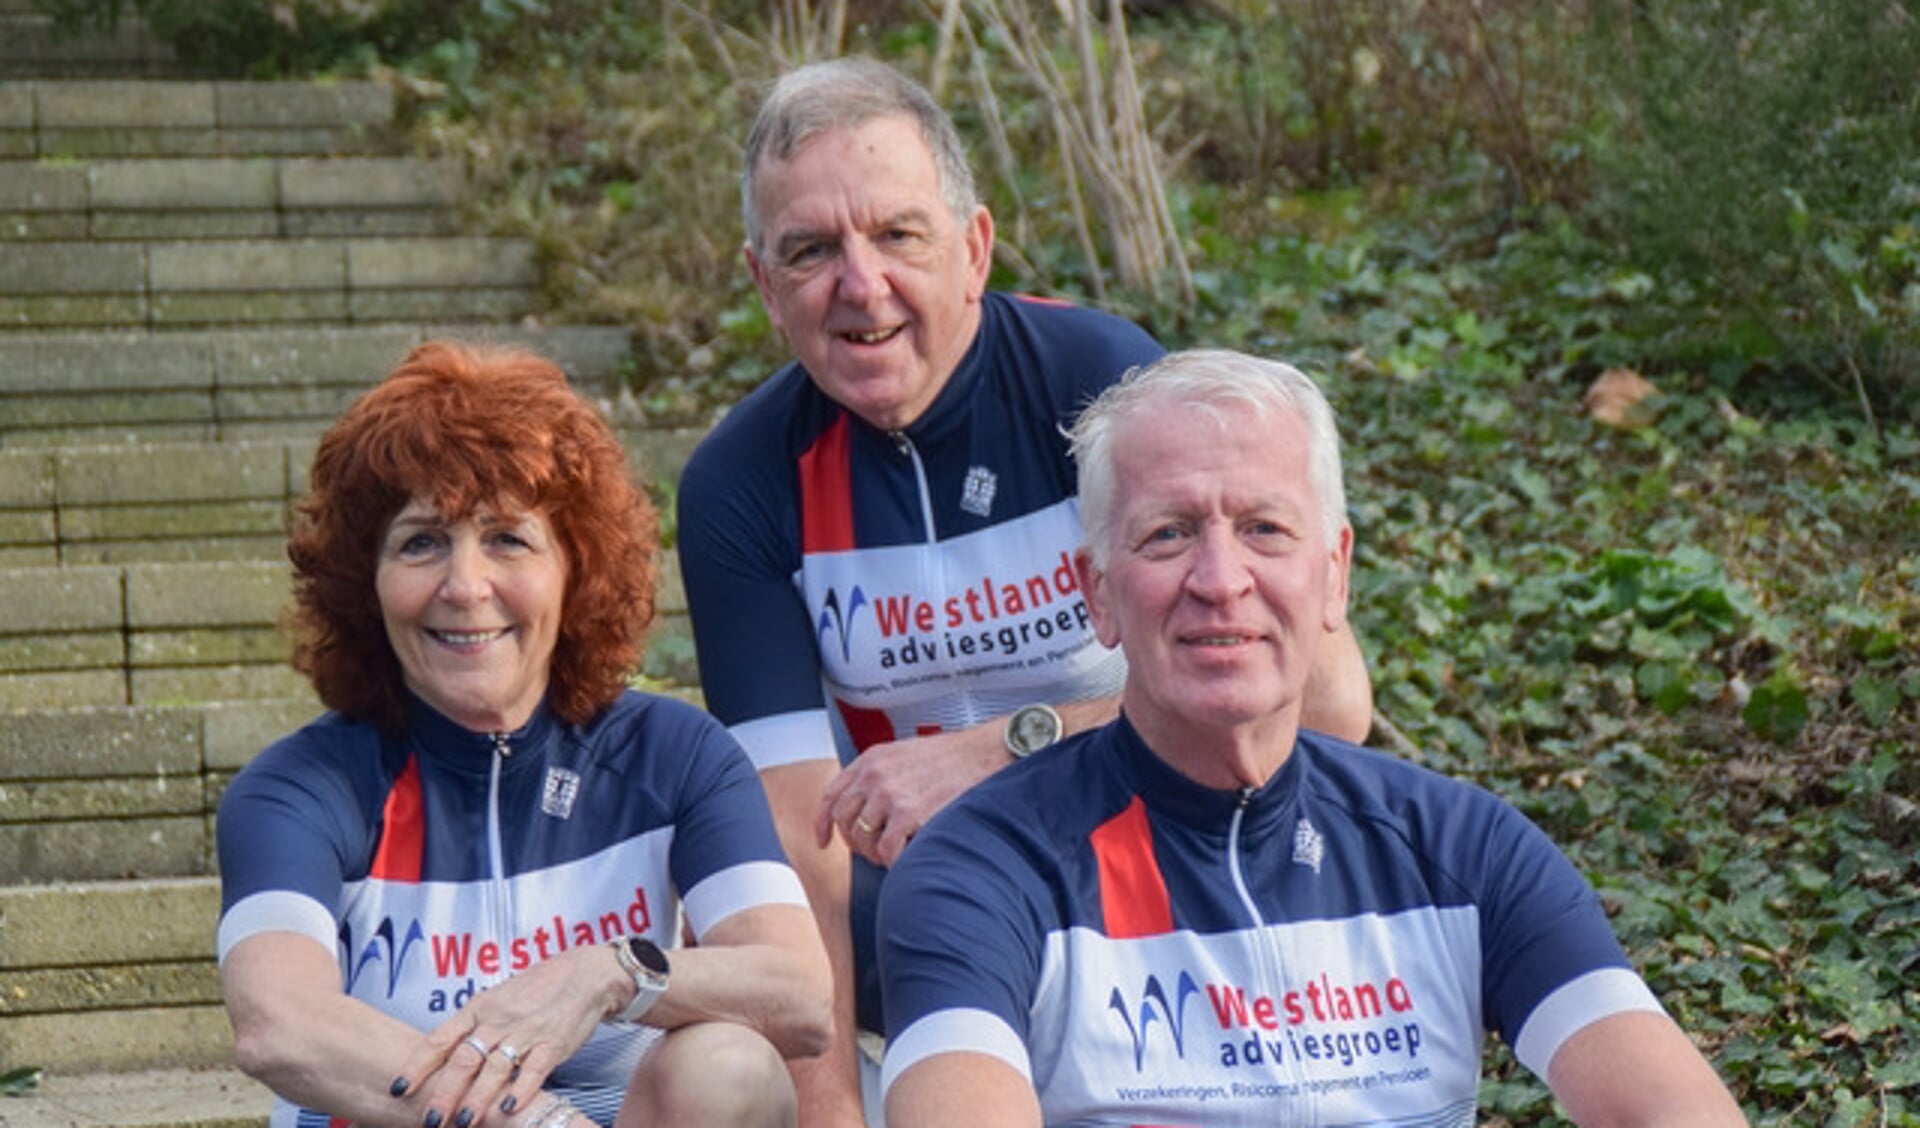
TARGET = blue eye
(417,544)
(811,252)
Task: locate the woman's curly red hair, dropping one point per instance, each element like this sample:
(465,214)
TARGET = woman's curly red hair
(470,427)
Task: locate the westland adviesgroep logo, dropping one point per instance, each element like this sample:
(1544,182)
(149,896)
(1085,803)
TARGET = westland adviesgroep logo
(993,618)
(1316,1021)
(1154,1005)
(439,971)
(840,622)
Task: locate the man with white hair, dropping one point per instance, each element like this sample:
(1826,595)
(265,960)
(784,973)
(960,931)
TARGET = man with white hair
(1204,913)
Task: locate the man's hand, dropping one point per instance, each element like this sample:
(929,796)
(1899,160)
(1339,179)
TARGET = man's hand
(888,793)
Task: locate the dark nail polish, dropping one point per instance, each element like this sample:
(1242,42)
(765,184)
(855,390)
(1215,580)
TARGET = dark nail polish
(512,1102)
(399,1087)
(433,1118)
(513,1075)
(463,1118)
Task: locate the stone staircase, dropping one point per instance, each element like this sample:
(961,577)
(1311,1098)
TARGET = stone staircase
(196,276)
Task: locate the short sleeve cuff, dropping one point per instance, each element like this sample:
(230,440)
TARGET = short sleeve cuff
(750,885)
(1575,1005)
(960,1030)
(277,910)
(786,738)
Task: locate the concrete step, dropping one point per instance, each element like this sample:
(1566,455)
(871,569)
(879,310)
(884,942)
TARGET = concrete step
(143,634)
(133,118)
(30,47)
(187,284)
(111,976)
(110,792)
(175,198)
(151,502)
(174,1098)
(82,387)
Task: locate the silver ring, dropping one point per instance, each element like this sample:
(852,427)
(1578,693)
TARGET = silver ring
(508,1052)
(477,1044)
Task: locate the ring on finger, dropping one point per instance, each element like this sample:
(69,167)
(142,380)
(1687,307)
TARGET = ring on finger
(506,1050)
(477,1044)
(865,826)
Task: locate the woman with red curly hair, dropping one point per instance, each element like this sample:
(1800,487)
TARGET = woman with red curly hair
(452,900)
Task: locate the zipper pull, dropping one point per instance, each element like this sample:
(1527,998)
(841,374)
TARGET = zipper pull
(1246,796)
(900,442)
(501,745)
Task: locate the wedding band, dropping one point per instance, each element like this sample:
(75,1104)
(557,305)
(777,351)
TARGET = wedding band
(478,1045)
(508,1052)
(865,826)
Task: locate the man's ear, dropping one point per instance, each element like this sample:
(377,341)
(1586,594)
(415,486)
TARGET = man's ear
(1106,627)
(763,282)
(979,241)
(1339,575)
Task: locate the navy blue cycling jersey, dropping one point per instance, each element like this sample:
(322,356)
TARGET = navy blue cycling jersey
(924,577)
(1326,949)
(438,863)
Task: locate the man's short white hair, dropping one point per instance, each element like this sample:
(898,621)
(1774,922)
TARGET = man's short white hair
(1217,382)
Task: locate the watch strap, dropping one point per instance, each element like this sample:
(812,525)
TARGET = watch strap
(649,982)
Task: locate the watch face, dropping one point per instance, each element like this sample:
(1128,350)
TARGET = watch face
(1032,728)
(647,954)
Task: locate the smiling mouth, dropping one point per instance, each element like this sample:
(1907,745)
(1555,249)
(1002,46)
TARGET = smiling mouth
(468,638)
(871,336)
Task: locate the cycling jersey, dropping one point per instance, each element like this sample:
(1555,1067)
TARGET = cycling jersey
(440,862)
(923,576)
(1326,949)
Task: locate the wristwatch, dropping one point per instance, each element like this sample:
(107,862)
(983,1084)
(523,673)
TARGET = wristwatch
(1031,728)
(642,959)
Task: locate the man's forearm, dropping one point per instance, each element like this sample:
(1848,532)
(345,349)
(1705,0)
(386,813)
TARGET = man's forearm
(828,1085)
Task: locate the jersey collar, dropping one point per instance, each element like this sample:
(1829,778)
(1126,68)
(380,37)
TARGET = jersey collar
(1168,792)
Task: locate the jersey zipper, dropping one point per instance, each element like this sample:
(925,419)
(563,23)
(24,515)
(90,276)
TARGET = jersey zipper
(496,853)
(1266,948)
(905,446)
(933,563)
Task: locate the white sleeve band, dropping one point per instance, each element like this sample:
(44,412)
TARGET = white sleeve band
(278,910)
(957,1030)
(750,885)
(786,738)
(1574,1005)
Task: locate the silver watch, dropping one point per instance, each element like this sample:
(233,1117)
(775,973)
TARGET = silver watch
(642,959)
(1031,728)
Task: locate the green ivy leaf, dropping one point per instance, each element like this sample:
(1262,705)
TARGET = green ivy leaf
(1778,708)
(17,1081)
(1665,684)
(1877,698)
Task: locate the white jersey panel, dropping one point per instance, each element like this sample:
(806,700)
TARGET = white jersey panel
(946,635)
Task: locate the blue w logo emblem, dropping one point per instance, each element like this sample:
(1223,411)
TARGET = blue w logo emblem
(379,945)
(832,617)
(1153,1004)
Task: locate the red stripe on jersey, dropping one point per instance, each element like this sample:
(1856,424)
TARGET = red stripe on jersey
(1133,894)
(403,829)
(826,492)
(865,727)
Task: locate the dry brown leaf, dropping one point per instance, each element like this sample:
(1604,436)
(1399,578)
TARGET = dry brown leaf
(1617,398)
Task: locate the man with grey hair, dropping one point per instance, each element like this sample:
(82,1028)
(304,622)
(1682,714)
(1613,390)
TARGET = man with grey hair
(1204,913)
(877,542)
